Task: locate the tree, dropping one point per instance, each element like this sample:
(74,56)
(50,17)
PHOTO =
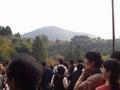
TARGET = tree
(22,45)
(45,39)
(5,31)
(16,38)
(75,53)
(6,49)
(8,30)
(79,53)
(39,49)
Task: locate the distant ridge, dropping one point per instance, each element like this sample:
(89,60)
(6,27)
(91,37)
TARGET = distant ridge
(54,33)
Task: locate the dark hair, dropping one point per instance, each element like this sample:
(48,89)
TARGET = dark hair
(43,64)
(80,66)
(116,55)
(6,62)
(61,70)
(71,62)
(79,61)
(114,67)
(25,70)
(51,67)
(61,61)
(66,65)
(94,56)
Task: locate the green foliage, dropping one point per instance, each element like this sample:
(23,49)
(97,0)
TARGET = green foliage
(79,53)
(45,39)
(5,31)
(39,49)
(105,57)
(6,49)
(84,42)
(75,53)
(22,45)
(60,49)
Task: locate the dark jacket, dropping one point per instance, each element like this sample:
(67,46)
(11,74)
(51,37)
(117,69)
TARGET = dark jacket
(58,82)
(46,78)
(73,78)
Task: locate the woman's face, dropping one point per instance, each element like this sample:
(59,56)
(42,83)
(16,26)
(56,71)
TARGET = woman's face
(88,64)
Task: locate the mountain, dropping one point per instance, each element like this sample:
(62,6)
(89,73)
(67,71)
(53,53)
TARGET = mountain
(54,33)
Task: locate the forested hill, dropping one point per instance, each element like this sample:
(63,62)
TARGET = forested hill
(54,33)
(44,49)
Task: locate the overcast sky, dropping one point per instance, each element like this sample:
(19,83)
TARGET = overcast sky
(90,16)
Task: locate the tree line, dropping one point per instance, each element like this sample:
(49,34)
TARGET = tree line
(39,47)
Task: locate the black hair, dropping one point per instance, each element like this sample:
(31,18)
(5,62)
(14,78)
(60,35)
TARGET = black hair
(61,61)
(66,65)
(25,70)
(71,62)
(80,66)
(94,56)
(61,70)
(116,55)
(114,67)
(43,64)
(79,61)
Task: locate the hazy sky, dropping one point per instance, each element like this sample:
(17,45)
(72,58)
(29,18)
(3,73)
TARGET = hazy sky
(90,16)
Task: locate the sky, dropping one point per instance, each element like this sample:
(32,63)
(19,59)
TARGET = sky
(89,16)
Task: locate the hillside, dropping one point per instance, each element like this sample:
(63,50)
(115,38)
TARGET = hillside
(54,33)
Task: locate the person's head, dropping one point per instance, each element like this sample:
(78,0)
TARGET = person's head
(61,70)
(79,61)
(61,61)
(66,65)
(43,64)
(51,67)
(5,63)
(92,59)
(71,62)
(111,72)
(80,66)
(116,55)
(23,73)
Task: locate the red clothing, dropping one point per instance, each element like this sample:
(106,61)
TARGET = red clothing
(103,87)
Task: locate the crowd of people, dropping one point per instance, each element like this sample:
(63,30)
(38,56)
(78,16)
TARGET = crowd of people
(23,72)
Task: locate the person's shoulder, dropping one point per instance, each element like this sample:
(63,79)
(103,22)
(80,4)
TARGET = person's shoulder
(96,76)
(95,79)
(49,70)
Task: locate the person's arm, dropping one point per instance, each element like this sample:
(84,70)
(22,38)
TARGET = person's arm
(65,82)
(55,69)
(90,84)
(79,81)
(52,84)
